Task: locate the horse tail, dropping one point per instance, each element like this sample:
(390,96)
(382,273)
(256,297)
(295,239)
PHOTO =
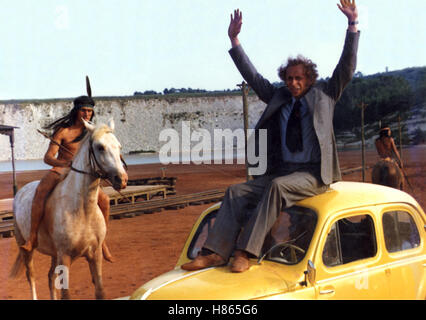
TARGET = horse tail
(18,266)
(400,177)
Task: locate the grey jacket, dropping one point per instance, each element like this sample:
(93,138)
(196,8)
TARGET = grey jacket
(321,100)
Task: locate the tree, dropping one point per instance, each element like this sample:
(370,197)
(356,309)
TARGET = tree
(384,94)
(419,136)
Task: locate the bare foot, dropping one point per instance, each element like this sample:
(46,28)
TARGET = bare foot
(29,246)
(106,253)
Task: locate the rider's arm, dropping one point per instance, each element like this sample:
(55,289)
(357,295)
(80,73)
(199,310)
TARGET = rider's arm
(395,151)
(50,156)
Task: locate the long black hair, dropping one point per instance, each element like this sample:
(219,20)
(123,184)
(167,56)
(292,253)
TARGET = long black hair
(384,131)
(70,119)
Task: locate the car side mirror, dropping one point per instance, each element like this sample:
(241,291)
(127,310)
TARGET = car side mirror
(311,272)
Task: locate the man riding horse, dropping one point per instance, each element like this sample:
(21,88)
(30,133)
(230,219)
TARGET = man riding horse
(386,147)
(388,170)
(68,131)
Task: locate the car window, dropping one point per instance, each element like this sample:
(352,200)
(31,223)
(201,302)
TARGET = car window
(400,231)
(201,234)
(331,254)
(350,239)
(290,236)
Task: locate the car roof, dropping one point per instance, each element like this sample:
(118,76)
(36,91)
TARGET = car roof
(345,195)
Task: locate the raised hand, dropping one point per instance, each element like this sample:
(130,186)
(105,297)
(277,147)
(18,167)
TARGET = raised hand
(235,27)
(348,7)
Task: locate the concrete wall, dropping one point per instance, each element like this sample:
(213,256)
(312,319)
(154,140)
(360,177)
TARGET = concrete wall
(138,121)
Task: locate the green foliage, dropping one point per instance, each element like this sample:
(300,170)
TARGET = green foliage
(404,136)
(420,87)
(183,91)
(419,136)
(384,94)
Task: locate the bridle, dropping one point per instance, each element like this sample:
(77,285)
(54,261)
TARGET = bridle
(100,172)
(94,173)
(96,170)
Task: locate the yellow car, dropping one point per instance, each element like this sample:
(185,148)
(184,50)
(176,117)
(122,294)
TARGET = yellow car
(355,241)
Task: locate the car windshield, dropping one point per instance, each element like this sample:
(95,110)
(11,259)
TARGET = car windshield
(201,234)
(290,236)
(287,242)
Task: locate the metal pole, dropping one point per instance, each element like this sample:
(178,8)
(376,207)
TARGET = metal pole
(163,172)
(12,139)
(363,106)
(400,137)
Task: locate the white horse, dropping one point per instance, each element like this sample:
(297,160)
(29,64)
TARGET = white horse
(72,225)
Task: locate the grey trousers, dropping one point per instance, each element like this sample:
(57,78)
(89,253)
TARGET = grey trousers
(249,209)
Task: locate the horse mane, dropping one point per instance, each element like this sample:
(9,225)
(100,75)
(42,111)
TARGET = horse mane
(100,131)
(95,135)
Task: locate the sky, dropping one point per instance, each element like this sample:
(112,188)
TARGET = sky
(47,47)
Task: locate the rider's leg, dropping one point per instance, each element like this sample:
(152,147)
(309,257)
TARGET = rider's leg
(103,203)
(45,187)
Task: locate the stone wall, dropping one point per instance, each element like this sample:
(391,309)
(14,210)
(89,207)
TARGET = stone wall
(138,120)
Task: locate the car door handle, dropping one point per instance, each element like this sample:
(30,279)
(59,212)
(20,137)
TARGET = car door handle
(328,291)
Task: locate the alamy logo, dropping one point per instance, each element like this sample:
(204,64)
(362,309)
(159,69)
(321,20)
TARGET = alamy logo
(61,281)
(361,281)
(222,140)
(62,17)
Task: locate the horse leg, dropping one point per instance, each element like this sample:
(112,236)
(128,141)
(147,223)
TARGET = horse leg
(64,263)
(29,265)
(95,265)
(52,279)
(44,188)
(401,180)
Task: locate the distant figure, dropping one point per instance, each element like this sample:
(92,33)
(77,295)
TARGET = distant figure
(386,147)
(387,171)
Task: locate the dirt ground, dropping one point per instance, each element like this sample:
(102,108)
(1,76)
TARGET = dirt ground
(148,245)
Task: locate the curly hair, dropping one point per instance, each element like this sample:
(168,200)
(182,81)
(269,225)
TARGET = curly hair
(310,68)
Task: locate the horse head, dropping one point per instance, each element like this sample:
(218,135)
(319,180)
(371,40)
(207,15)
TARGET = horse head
(105,150)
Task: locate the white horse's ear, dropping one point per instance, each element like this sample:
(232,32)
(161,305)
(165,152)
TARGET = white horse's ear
(111,124)
(89,125)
